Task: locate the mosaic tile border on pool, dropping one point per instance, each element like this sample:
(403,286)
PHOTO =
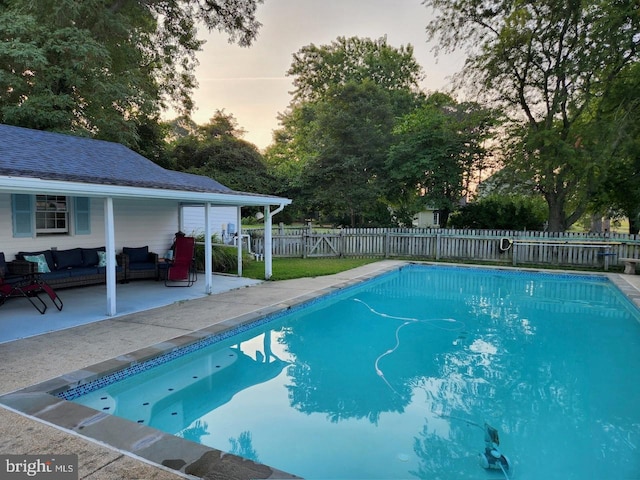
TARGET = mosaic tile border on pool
(126,372)
(517,271)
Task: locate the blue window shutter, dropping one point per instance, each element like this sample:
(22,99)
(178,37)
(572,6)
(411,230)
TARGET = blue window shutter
(23,215)
(82,213)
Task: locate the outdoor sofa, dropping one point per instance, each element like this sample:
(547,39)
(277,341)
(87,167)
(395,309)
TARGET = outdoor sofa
(139,262)
(66,268)
(78,267)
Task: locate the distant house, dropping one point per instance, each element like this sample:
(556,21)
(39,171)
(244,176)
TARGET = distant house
(65,191)
(427,218)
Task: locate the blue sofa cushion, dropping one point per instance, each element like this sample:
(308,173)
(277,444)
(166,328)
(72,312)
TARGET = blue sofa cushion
(47,255)
(55,275)
(137,255)
(65,259)
(83,271)
(142,266)
(103,270)
(90,256)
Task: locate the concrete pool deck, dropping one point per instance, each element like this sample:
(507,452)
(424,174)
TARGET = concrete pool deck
(41,358)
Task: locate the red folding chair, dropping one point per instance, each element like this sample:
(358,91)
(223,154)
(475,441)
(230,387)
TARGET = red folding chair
(181,271)
(21,288)
(27,286)
(38,285)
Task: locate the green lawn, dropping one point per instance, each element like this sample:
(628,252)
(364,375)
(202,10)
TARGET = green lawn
(288,268)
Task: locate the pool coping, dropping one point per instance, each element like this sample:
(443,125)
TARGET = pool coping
(40,402)
(185,457)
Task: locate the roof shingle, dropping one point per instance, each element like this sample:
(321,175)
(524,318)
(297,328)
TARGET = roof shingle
(53,156)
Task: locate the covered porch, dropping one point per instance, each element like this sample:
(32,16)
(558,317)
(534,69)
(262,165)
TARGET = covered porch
(60,193)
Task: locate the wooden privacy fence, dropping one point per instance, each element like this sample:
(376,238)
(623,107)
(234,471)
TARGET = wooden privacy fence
(500,246)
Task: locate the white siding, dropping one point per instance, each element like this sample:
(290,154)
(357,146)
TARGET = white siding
(426,219)
(193,219)
(137,223)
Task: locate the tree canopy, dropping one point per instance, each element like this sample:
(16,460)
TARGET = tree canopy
(318,69)
(103,67)
(545,61)
(617,129)
(331,149)
(217,151)
(436,151)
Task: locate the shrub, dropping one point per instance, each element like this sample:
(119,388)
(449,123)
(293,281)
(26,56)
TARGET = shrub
(502,212)
(224,258)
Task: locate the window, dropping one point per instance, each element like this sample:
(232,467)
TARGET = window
(52,214)
(34,215)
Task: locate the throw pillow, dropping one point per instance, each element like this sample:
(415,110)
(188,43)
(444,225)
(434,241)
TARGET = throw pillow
(102,259)
(47,255)
(43,267)
(90,256)
(67,258)
(137,255)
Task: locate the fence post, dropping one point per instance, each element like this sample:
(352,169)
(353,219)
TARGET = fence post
(387,241)
(437,246)
(305,236)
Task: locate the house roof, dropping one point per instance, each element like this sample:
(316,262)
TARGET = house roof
(54,158)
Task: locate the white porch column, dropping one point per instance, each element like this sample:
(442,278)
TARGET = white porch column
(268,243)
(239,233)
(208,264)
(110,247)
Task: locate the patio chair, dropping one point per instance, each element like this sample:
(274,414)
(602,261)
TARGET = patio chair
(181,271)
(18,286)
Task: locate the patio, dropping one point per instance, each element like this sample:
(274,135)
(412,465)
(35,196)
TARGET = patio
(18,319)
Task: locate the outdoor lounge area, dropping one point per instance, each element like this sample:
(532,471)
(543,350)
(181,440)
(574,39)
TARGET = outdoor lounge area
(97,213)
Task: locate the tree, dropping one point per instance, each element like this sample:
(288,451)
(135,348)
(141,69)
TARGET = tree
(318,69)
(215,150)
(92,67)
(435,153)
(544,61)
(352,133)
(617,130)
(337,129)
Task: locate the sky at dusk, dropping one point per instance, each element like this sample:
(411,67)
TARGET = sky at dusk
(251,83)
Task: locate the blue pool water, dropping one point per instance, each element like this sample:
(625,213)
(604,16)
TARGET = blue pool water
(395,379)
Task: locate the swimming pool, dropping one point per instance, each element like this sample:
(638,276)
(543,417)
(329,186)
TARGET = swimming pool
(396,378)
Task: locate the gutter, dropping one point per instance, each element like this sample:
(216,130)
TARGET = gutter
(278,210)
(40,186)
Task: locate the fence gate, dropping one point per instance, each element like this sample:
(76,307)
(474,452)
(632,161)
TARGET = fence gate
(322,245)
